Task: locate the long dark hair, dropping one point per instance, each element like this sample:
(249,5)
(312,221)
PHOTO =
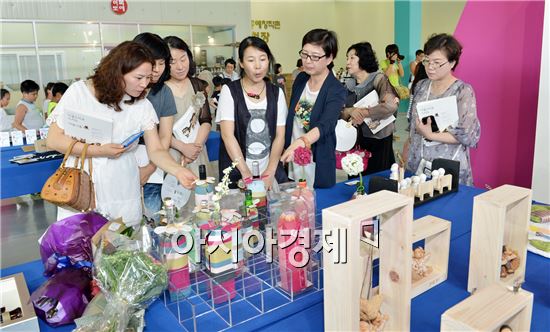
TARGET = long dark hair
(259,44)
(159,49)
(419,75)
(178,43)
(108,77)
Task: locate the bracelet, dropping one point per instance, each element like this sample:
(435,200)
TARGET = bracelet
(306,141)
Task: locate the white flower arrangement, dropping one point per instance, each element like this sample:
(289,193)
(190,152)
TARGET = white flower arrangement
(222,188)
(352,164)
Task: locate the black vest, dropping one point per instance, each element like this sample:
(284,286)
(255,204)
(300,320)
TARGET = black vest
(242,118)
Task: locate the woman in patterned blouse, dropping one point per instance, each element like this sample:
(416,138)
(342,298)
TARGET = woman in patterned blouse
(442,56)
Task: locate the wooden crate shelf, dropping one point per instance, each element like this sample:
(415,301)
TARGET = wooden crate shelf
(500,217)
(436,233)
(343,280)
(490,308)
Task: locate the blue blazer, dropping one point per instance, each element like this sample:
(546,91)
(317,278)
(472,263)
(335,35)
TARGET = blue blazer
(326,112)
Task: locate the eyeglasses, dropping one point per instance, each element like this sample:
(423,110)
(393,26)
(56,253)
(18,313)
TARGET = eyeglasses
(303,55)
(427,63)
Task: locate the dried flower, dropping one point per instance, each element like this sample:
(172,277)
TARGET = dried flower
(302,156)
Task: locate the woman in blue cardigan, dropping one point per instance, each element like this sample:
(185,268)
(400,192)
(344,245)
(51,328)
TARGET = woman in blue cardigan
(315,105)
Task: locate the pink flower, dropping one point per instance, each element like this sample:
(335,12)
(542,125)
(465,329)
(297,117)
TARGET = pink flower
(302,156)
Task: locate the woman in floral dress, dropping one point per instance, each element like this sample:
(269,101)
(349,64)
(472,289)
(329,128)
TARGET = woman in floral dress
(442,56)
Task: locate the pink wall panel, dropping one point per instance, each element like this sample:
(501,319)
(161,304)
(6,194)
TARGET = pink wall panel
(502,43)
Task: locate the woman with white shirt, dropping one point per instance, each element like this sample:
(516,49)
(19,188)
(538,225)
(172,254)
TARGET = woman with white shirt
(252,114)
(116,91)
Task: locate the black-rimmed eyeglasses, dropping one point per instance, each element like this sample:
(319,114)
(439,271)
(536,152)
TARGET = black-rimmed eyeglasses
(303,55)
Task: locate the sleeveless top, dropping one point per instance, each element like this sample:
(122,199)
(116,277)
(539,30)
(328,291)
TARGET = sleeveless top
(33,119)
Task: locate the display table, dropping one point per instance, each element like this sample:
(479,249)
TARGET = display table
(17,180)
(306,314)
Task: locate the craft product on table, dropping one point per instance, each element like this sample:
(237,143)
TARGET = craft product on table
(218,249)
(293,279)
(250,221)
(420,269)
(176,263)
(204,187)
(539,230)
(259,194)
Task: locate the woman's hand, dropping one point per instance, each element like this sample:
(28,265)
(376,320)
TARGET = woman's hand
(111,150)
(288,154)
(190,151)
(186,178)
(267,177)
(358,115)
(425,130)
(146,172)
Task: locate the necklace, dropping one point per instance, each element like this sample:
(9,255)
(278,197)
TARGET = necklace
(251,94)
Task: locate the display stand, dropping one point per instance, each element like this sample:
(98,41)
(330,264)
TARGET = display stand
(436,233)
(344,267)
(14,293)
(490,309)
(500,217)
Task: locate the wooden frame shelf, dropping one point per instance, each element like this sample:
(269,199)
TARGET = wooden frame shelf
(345,266)
(500,217)
(489,309)
(436,233)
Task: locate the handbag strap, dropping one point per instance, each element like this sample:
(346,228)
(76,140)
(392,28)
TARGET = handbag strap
(68,153)
(83,159)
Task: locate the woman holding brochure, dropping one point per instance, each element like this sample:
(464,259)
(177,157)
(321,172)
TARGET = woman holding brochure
(115,95)
(442,56)
(374,136)
(193,120)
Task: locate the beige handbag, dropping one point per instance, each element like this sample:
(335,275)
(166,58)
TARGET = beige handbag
(71,186)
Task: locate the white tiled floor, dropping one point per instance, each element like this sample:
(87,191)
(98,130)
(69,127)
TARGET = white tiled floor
(24,219)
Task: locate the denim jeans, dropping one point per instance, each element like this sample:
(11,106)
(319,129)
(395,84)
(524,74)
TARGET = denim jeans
(152,200)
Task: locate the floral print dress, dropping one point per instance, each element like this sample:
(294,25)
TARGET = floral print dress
(467,130)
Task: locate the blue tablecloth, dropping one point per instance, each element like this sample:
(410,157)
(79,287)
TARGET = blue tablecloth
(306,314)
(17,180)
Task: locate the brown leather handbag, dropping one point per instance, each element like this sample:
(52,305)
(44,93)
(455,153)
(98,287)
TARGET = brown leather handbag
(71,187)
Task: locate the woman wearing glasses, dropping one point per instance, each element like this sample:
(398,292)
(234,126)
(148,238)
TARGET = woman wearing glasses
(315,105)
(442,56)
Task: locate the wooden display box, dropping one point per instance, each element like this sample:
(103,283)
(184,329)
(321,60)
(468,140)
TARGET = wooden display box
(15,294)
(489,309)
(500,217)
(436,233)
(344,267)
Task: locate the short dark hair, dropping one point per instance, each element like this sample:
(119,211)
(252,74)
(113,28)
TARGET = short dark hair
(277,68)
(392,49)
(231,61)
(299,63)
(3,92)
(418,52)
(159,49)
(178,43)
(28,86)
(59,87)
(48,87)
(258,43)
(217,81)
(445,43)
(366,55)
(324,38)
(225,81)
